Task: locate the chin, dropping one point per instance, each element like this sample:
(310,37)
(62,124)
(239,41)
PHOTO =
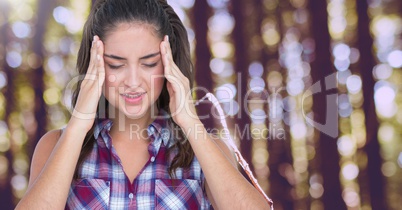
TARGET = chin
(134,112)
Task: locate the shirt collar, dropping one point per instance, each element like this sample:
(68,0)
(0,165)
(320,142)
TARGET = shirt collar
(157,130)
(100,125)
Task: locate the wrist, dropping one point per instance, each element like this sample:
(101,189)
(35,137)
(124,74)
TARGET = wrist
(190,124)
(194,130)
(77,125)
(74,133)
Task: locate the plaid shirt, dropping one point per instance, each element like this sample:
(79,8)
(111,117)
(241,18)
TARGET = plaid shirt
(102,183)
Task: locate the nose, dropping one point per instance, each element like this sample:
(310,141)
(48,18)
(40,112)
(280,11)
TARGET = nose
(132,77)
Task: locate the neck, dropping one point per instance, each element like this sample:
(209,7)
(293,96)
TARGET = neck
(133,127)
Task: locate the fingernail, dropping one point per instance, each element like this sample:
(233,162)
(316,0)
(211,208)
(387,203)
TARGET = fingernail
(167,38)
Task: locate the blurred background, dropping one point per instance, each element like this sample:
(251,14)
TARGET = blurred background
(321,82)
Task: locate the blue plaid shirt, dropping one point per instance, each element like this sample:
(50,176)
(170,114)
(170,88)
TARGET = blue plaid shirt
(102,183)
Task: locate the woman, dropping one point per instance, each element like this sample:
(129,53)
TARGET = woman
(134,140)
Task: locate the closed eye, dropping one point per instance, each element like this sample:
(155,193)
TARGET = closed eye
(151,65)
(115,66)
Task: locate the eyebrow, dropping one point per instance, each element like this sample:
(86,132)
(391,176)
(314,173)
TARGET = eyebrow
(121,58)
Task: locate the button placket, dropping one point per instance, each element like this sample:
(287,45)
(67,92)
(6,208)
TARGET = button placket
(131,196)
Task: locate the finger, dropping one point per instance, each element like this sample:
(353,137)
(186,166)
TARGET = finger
(174,83)
(173,67)
(165,59)
(100,67)
(92,57)
(172,74)
(172,94)
(169,88)
(93,52)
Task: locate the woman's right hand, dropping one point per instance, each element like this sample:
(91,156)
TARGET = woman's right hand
(84,112)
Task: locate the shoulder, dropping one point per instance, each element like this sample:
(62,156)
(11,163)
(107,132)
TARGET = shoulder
(48,141)
(42,152)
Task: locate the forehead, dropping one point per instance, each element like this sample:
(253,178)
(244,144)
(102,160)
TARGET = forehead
(132,38)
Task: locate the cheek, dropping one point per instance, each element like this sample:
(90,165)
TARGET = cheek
(110,79)
(110,83)
(157,81)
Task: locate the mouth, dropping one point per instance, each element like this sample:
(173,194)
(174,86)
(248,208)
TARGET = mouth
(132,95)
(133,98)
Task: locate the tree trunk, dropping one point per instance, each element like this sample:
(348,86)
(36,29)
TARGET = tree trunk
(6,195)
(372,148)
(327,153)
(201,14)
(241,62)
(37,76)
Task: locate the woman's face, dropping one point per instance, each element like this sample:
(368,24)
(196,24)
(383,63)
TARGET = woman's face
(134,68)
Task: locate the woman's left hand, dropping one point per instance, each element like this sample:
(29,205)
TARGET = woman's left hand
(181,102)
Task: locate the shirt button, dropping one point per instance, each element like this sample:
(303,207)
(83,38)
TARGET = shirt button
(131,195)
(152,159)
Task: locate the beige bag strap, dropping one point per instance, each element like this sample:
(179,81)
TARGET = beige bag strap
(243,163)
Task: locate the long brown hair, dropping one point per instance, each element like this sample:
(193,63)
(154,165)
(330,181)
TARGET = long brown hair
(105,15)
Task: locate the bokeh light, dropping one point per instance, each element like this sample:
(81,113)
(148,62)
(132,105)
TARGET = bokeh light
(21,29)
(14,59)
(350,171)
(395,59)
(354,84)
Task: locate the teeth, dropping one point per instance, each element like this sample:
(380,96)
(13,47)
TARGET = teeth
(132,96)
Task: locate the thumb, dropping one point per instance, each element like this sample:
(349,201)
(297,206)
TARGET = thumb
(169,88)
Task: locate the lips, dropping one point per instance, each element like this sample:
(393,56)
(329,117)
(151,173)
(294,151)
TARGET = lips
(132,95)
(133,98)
